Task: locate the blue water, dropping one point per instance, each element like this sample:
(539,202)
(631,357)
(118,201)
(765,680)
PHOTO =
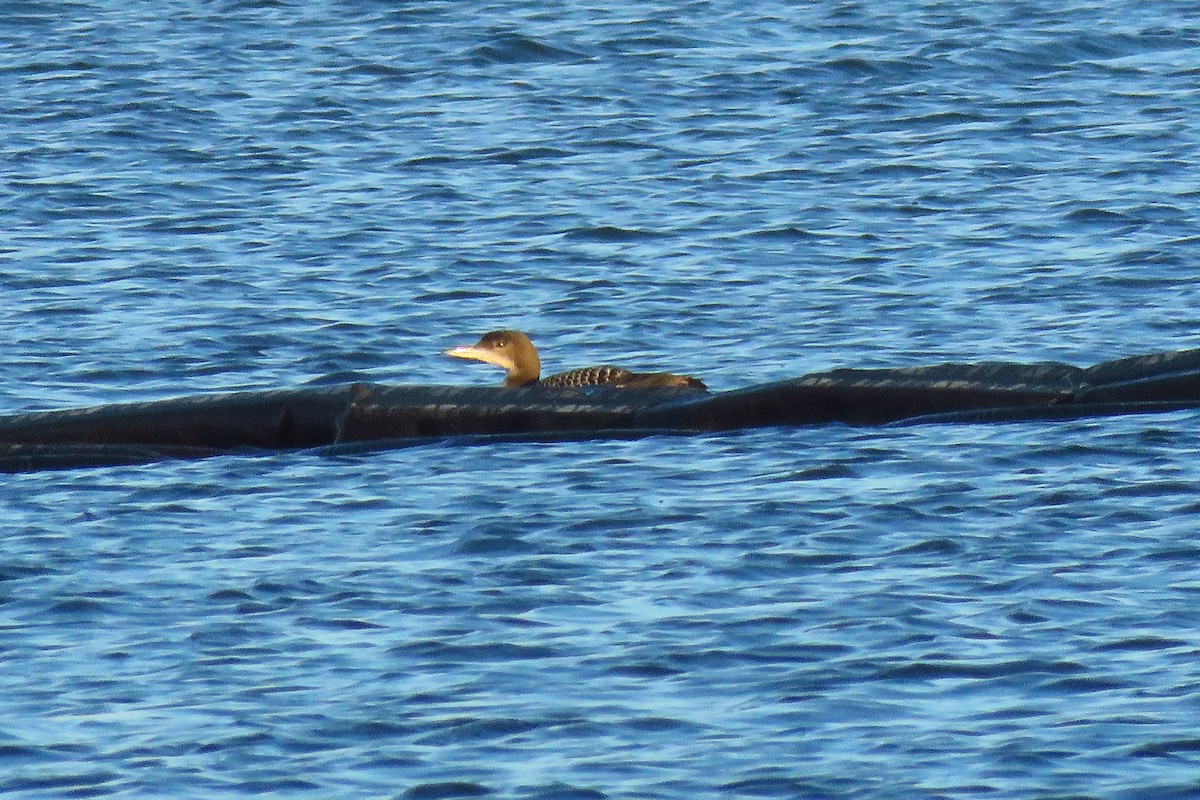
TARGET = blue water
(200,196)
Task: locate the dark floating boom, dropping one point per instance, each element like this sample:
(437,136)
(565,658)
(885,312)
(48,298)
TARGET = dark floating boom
(362,416)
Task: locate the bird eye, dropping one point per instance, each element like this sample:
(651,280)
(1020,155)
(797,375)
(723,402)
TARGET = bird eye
(501,343)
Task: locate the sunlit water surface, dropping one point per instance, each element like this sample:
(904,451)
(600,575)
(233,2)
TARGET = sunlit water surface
(210,196)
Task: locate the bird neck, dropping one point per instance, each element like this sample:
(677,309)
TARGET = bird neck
(526,367)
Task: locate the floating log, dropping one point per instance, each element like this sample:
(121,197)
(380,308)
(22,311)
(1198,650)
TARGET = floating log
(366,415)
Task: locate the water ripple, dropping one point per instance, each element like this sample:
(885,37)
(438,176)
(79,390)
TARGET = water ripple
(261,194)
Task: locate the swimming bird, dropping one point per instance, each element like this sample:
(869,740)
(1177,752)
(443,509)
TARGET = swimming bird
(513,352)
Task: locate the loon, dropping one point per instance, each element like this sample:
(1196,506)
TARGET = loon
(515,354)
